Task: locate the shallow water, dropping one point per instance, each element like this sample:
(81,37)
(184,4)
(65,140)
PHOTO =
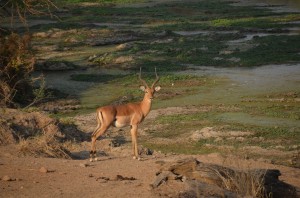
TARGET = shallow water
(295,4)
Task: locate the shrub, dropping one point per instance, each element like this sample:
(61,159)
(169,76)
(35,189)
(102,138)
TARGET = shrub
(16,66)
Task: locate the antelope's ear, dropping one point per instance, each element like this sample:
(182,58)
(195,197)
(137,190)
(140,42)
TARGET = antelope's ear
(143,88)
(157,88)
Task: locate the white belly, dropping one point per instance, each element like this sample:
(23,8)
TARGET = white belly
(119,124)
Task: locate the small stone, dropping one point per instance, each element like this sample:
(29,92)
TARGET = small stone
(83,165)
(91,58)
(218,58)
(241,139)
(162,177)
(123,59)
(103,179)
(7,178)
(225,52)
(234,59)
(44,170)
(218,139)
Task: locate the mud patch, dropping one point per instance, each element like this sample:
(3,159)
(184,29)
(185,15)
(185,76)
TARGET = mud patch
(210,132)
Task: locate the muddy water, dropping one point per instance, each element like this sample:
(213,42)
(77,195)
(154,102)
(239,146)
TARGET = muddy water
(289,3)
(274,5)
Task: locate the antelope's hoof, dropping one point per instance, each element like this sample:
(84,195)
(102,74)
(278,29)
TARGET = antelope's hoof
(138,158)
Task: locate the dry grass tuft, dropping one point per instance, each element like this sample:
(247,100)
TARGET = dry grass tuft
(249,183)
(44,145)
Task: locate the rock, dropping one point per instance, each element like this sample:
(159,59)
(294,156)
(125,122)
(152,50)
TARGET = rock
(121,178)
(218,139)
(204,133)
(91,58)
(57,33)
(103,179)
(204,48)
(43,170)
(279,147)
(241,139)
(123,46)
(114,143)
(162,177)
(83,165)
(218,58)
(210,132)
(234,59)
(163,33)
(225,52)
(41,34)
(145,151)
(71,40)
(7,178)
(123,59)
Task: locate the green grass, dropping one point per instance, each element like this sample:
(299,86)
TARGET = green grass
(181,50)
(271,50)
(176,12)
(186,50)
(267,133)
(149,76)
(256,22)
(275,122)
(116,87)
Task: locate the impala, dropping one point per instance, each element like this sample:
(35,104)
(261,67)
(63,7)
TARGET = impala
(131,114)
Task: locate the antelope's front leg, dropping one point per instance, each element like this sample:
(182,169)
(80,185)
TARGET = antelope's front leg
(134,141)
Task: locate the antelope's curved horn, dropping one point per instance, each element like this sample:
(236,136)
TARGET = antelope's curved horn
(140,77)
(157,79)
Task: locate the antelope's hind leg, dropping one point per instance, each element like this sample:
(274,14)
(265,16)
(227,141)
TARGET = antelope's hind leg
(97,133)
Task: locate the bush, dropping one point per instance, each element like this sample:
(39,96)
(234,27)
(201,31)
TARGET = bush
(16,58)
(16,66)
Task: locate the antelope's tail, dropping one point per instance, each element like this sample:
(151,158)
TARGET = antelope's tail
(99,118)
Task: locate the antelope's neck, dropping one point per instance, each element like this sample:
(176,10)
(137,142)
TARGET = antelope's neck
(146,106)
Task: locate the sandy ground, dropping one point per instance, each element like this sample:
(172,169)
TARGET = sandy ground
(78,178)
